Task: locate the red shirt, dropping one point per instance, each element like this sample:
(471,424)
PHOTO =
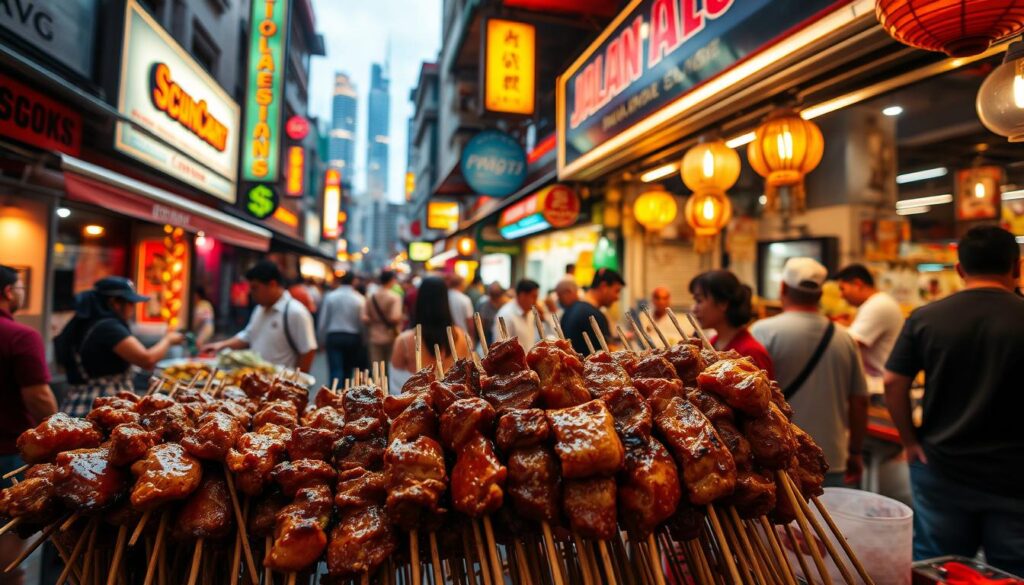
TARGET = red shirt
(22,364)
(745,344)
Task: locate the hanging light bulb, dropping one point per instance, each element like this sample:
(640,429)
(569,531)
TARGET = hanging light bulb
(655,209)
(1001,97)
(785,149)
(979,190)
(710,165)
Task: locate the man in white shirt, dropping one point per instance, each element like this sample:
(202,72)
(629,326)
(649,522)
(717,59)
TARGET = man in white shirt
(280,328)
(460,304)
(518,314)
(878,322)
(340,328)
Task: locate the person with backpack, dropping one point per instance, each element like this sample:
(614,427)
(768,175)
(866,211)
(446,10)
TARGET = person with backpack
(280,329)
(382,315)
(97,349)
(819,370)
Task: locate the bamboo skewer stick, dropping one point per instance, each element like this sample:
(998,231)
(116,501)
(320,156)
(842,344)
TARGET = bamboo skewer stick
(675,323)
(647,311)
(70,562)
(197,556)
(549,543)
(7,527)
(502,328)
(439,361)
(780,557)
(743,562)
(492,550)
(291,579)
(804,527)
(581,553)
(832,551)
(842,541)
(643,564)
(736,528)
(240,519)
(716,525)
(590,345)
(268,576)
(139,527)
(608,568)
(16,471)
(635,323)
(236,555)
(435,559)
(481,556)
(770,568)
(791,534)
(652,549)
(32,547)
(700,332)
(625,339)
(122,536)
(480,334)
(600,335)
(414,554)
(89,549)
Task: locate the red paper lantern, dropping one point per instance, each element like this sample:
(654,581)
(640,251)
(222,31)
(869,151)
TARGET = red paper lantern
(959,28)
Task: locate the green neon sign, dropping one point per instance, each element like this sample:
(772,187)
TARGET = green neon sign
(261,140)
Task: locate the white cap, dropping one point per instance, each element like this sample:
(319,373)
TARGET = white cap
(806,274)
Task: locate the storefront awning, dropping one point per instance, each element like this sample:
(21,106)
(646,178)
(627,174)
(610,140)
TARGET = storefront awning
(94,184)
(288,244)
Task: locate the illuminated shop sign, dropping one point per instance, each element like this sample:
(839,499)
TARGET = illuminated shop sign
(296,184)
(653,54)
(442,215)
(557,206)
(332,204)
(510,67)
(190,123)
(261,145)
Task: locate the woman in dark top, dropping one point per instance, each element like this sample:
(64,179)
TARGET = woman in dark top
(97,348)
(721,302)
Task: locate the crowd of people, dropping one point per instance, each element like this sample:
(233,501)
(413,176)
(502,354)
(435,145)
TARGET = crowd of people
(966,455)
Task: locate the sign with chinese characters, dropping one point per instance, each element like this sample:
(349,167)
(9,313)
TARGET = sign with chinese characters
(65,30)
(34,118)
(652,55)
(261,142)
(442,215)
(556,206)
(493,163)
(296,184)
(332,204)
(559,204)
(261,201)
(510,67)
(164,91)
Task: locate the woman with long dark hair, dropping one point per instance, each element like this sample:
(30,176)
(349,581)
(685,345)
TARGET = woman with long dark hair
(434,317)
(721,302)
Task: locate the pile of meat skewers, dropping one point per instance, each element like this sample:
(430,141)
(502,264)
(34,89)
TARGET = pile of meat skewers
(546,466)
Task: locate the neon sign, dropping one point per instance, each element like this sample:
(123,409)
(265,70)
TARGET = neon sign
(261,149)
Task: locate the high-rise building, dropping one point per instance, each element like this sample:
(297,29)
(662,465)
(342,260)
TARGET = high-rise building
(378,134)
(342,151)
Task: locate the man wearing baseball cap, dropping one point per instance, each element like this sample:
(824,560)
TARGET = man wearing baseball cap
(819,370)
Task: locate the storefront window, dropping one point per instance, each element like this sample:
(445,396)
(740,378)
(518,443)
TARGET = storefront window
(89,246)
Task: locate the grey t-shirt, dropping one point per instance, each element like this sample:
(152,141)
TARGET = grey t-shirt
(821,406)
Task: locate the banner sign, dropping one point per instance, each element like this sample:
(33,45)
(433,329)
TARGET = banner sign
(166,92)
(261,142)
(510,68)
(64,30)
(555,206)
(493,163)
(296,183)
(442,215)
(34,118)
(332,204)
(655,52)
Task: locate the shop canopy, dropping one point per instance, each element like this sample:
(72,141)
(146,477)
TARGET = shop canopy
(89,183)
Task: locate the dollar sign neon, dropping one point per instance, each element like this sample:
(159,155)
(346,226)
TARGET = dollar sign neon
(261,201)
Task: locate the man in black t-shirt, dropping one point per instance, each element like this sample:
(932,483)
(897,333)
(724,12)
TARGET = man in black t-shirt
(603,293)
(967,457)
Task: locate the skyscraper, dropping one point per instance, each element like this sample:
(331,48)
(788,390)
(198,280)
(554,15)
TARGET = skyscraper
(378,134)
(342,150)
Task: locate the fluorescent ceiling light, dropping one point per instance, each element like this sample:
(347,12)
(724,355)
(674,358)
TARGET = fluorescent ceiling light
(893,111)
(913,210)
(922,175)
(659,173)
(1020,239)
(1011,195)
(922,201)
(740,140)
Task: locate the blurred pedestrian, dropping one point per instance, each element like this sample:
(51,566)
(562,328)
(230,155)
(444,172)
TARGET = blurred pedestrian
(567,292)
(475,290)
(97,349)
(518,316)
(204,324)
(488,307)
(410,292)
(603,293)
(721,302)
(819,370)
(301,294)
(280,329)
(239,303)
(967,457)
(434,317)
(459,304)
(25,391)
(661,301)
(382,315)
(340,329)
(877,324)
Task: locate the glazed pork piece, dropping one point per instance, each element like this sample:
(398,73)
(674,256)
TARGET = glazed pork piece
(519,389)
(34,499)
(652,365)
(129,443)
(659,391)
(282,413)
(601,374)
(152,403)
(264,513)
(288,391)
(477,478)
(779,399)
(327,397)
(417,419)
(312,443)
(327,417)
(358,488)
(207,511)
(740,383)
(166,473)
(418,384)
(585,440)
(300,530)
(648,487)
(711,405)
(416,479)
(561,374)
(504,358)
(631,414)
(589,504)
(771,438)
(255,455)
(58,432)
(754,495)
(686,359)
(464,372)
(463,420)
(85,479)
(293,476)
(213,435)
(709,470)
(810,467)
(364,411)
(351,453)
(534,483)
(687,522)
(254,385)
(361,541)
(171,423)
(522,428)
(108,417)
(738,445)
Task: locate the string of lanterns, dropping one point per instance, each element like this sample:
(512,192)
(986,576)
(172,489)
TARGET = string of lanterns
(173,276)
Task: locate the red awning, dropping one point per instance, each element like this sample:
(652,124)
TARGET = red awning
(89,183)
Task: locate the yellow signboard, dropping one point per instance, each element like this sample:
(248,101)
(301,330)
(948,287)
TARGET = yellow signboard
(410,185)
(510,62)
(443,215)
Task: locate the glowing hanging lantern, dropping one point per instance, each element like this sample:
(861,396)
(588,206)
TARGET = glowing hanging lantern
(710,165)
(959,28)
(707,211)
(785,149)
(466,246)
(1001,97)
(655,209)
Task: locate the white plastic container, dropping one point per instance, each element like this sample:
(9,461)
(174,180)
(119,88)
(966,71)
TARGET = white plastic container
(879,529)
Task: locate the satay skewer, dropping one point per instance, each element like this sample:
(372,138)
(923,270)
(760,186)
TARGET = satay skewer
(197,556)
(776,548)
(589,344)
(832,551)
(635,322)
(14,472)
(12,524)
(70,564)
(115,564)
(625,339)
(804,528)
(842,541)
(139,527)
(49,530)
(240,520)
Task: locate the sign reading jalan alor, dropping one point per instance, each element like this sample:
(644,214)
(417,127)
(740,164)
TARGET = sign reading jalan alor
(654,53)
(261,140)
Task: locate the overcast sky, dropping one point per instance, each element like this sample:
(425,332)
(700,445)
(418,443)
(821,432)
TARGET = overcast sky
(357,34)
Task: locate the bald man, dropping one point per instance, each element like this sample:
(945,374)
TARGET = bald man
(568,292)
(661,300)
